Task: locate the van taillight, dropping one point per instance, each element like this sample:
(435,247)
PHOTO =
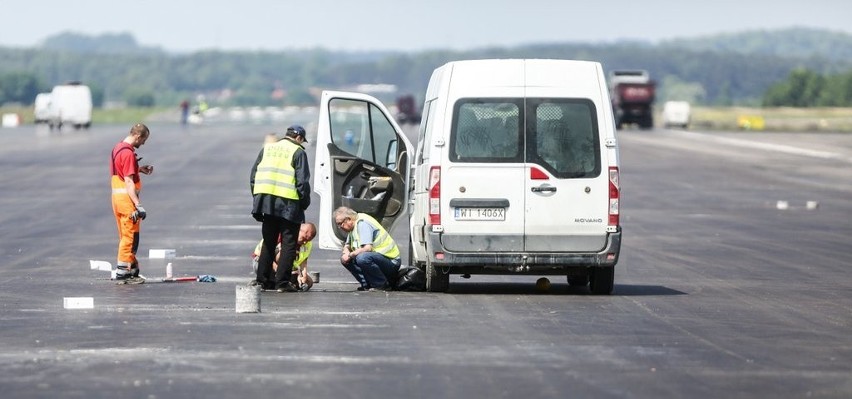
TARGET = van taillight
(614,191)
(435,195)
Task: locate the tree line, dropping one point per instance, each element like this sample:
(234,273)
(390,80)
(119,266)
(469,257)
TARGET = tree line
(805,88)
(684,70)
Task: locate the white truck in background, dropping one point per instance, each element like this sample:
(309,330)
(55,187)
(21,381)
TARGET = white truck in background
(676,114)
(70,104)
(41,108)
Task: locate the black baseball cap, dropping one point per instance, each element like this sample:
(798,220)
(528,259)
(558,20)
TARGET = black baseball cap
(297,130)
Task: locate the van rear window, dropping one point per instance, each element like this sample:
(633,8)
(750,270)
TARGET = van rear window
(487,131)
(564,137)
(561,134)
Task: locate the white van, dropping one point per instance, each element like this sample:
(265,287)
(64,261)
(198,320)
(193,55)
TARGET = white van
(515,171)
(676,113)
(70,104)
(41,108)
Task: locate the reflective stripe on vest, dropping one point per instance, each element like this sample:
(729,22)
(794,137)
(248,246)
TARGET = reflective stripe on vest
(119,187)
(275,173)
(383,243)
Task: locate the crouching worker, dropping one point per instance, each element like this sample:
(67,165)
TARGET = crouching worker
(300,277)
(370,253)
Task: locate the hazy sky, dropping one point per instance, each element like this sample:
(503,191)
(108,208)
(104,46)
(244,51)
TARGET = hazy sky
(178,25)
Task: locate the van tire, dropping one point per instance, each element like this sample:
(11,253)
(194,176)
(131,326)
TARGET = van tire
(436,281)
(601,280)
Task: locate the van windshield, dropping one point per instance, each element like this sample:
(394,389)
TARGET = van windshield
(561,134)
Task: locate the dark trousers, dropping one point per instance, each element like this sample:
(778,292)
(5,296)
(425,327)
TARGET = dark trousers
(289,231)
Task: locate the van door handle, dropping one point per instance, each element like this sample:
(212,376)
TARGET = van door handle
(543,189)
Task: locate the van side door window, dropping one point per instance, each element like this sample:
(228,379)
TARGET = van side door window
(360,129)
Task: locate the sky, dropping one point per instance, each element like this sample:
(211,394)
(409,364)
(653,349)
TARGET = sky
(185,26)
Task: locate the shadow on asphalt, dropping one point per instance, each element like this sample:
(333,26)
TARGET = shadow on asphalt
(502,288)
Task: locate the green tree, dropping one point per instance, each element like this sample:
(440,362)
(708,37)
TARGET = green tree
(805,88)
(138,97)
(19,87)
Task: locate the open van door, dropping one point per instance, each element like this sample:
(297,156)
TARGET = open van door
(362,162)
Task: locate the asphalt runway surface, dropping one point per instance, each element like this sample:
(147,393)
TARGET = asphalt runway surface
(721,291)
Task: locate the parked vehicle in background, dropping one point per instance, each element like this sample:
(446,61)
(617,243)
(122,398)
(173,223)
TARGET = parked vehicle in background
(70,104)
(515,171)
(632,93)
(41,108)
(407,110)
(676,114)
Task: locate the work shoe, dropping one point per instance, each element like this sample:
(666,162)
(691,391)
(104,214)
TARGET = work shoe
(129,279)
(288,287)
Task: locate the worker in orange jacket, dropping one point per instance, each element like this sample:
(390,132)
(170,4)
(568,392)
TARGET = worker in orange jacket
(126,207)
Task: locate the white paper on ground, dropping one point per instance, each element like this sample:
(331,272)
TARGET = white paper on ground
(78,302)
(100,265)
(161,253)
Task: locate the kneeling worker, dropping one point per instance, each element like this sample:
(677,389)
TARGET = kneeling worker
(370,253)
(300,277)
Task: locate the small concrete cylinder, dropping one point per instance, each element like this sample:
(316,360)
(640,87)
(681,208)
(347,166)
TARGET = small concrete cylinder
(248,299)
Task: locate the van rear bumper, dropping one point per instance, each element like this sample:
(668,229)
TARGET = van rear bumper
(525,261)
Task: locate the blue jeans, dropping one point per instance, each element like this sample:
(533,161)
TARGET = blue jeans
(373,270)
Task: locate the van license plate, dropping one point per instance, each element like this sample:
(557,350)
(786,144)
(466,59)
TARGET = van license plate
(480,213)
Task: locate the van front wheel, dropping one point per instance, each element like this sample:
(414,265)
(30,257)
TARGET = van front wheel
(601,280)
(436,281)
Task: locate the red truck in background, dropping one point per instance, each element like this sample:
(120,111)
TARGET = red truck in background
(407,110)
(632,93)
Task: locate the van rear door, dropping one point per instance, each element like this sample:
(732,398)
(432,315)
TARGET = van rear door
(567,195)
(362,162)
(482,185)
(567,183)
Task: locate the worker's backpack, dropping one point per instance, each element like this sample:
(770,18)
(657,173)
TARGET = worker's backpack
(411,278)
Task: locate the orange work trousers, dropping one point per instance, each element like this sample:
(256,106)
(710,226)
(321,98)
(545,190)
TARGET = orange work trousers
(128,230)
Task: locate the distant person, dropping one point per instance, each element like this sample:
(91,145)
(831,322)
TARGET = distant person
(299,276)
(126,206)
(202,106)
(280,186)
(184,112)
(370,253)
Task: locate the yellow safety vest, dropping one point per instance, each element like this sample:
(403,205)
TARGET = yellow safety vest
(275,173)
(383,243)
(301,256)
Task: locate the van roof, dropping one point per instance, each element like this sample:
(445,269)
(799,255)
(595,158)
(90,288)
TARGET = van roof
(584,78)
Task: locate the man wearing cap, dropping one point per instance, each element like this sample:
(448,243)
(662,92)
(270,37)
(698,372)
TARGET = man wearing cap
(280,185)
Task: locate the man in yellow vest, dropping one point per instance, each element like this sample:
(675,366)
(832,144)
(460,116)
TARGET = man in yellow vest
(280,185)
(370,253)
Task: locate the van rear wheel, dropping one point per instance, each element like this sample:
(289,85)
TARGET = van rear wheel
(601,280)
(436,281)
